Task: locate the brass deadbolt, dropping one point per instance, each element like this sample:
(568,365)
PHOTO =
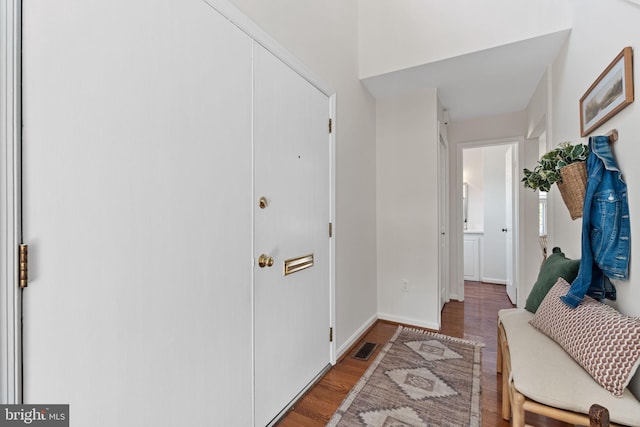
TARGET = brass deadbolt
(265,261)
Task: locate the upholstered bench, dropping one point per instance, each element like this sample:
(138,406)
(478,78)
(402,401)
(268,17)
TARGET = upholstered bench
(539,376)
(557,361)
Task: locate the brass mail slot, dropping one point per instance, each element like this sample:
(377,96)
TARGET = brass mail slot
(296,264)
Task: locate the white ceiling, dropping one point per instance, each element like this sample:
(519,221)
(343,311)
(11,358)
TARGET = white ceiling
(484,83)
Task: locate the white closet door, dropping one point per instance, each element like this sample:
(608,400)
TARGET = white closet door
(291,158)
(137,209)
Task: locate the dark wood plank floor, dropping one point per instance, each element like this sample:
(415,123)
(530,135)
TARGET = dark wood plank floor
(474,319)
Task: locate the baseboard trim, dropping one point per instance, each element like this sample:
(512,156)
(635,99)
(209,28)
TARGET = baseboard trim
(409,321)
(355,337)
(493,281)
(454,297)
(358,334)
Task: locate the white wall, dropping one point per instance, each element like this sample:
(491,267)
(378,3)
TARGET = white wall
(587,53)
(538,128)
(538,107)
(399,34)
(407,176)
(488,128)
(529,215)
(323,35)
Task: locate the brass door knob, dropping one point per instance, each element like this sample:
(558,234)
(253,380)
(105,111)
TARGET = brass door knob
(265,261)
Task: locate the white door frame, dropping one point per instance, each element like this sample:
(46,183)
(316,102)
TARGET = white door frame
(457,234)
(245,24)
(10,238)
(443,221)
(510,173)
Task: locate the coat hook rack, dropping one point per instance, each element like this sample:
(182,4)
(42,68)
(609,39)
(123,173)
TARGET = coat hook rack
(613,135)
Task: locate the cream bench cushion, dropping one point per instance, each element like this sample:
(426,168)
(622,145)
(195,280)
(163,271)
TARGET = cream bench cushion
(542,371)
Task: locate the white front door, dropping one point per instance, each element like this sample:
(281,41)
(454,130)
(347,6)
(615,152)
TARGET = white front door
(137,209)
(291,163)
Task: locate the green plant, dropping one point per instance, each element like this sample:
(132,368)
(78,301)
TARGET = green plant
(547,171)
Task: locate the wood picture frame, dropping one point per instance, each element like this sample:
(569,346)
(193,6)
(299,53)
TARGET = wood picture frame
(609,94)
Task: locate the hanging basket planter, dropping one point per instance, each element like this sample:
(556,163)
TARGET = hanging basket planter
(566,166)
(573,187)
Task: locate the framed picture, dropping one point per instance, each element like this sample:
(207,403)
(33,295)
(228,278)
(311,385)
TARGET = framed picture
(609,94)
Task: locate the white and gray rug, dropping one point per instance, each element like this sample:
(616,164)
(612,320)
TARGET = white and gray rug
(419,379)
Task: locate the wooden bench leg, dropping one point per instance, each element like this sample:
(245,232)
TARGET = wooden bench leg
(506,405)
(517,406)
(502,366)
(499,359)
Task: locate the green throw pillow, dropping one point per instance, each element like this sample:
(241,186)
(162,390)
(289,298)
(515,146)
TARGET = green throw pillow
(556,265)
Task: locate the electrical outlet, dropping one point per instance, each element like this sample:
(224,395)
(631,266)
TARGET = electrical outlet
(405,285)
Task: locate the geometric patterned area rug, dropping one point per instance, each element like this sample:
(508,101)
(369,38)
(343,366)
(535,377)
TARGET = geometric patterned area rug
(420,378)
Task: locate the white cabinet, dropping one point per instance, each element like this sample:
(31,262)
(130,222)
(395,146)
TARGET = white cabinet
(472,249)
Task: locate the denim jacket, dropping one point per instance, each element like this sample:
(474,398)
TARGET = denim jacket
(606,230)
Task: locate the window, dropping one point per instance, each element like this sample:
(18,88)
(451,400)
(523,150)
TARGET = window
(542,213)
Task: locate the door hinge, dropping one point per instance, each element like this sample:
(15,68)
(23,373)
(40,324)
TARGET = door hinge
(23,266)
(330,229)
(330,125)
(330,334)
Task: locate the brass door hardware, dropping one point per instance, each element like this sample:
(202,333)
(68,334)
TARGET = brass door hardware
(263,202)
(23,268)
(265,261)
(296,264)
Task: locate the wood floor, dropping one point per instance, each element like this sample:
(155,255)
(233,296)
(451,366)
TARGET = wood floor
(474,319)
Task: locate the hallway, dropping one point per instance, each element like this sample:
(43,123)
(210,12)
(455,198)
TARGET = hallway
(474,319)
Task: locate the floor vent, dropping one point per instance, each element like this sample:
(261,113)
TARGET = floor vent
(365,351)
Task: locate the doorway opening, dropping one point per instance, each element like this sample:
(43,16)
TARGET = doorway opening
(488,194)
